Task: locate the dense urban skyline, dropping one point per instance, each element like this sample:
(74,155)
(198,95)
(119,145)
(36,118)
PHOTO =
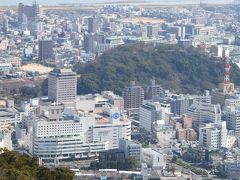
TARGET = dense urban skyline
(133,90)
(162,2)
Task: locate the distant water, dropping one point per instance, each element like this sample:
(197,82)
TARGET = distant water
(163,2)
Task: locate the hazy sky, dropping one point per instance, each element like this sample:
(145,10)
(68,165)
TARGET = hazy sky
(55,2)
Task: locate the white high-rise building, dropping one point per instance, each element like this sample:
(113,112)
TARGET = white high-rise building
(213,135)
(62,86)
(149,113)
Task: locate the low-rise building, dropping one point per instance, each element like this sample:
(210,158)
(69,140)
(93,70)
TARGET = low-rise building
(154,159)
(130,148)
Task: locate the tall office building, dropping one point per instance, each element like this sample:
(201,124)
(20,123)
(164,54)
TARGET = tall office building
(45,49)
(179,31)
(179,104)
(213,136)
(92,40)
(232,117)
(30,11)
(62,86)
(152,31)
(148,114)
(93,24)
(5,24)
(152,91)
(133,96)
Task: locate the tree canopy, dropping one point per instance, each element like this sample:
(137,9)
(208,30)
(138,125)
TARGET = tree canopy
(14,166)
(181,69)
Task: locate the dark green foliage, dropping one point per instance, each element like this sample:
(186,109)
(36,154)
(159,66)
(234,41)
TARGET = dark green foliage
(177,68)
(29,92)
(14,166)
(198,171)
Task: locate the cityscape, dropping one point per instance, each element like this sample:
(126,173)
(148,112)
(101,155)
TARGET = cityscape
(120,90)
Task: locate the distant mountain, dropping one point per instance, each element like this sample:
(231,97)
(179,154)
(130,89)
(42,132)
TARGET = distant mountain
(180,69)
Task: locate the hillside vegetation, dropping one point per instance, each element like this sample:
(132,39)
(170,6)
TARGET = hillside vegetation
(181,69)
(14,166)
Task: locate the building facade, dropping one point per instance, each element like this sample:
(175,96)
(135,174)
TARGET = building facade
(62,86)
(133,96)
(148,114)
(45,50)
(130,149)
(213,136)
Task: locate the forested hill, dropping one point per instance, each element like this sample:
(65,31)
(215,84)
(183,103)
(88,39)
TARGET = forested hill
(22,167)
(174,67)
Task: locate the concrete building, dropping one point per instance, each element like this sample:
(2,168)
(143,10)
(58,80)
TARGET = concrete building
(62,86)
(72,134)
(152,30)
(206,30)
(52,111)
(152,91)
(114,99)
(213,136)
(60,140)
(186,134)
(202,113)
(149,113)
(232,117)
(30,11)
(9,116)
(187,121)
(232,101)
(130,149)
(93,25)
(85,103)
(218,97)
(179,31)
(91,42)
(133,96)
(5,27)
(225,90)
(179,104)
(153,158)
(45,50)
(109,132)
(206,98)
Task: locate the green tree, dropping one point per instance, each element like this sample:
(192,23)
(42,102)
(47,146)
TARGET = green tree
(14,166)
(131,163)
